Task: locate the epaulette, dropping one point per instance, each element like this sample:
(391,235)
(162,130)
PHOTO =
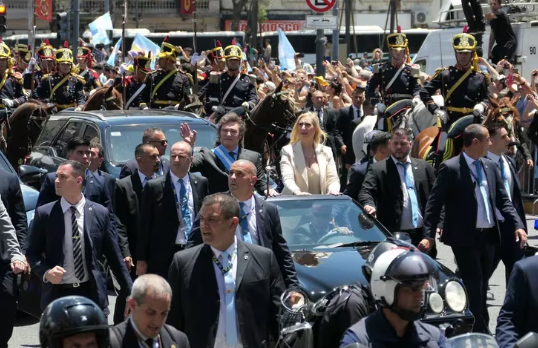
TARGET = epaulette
(45,77)
(437,72)
(79,78)
(487,77)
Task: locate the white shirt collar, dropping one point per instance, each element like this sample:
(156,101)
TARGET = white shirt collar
(138,333)
(143,176)
(407,160)
(66,205)
(355,109)
(493,157)
(95,173)
(230,249)
(470,161)
(249,203)
(175,179)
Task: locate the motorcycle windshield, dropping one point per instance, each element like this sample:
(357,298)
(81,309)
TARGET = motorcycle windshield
(473,340)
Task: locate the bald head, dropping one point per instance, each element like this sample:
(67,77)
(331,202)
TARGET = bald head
(182,145)
(247,165)
(242,179)
(180,159)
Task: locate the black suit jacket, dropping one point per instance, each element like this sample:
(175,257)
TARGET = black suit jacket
(110,183)
(346,124)
(519,313)
(128,196)
(131,166)
(382,188)
(270,235)
(210,166)
(454,189)
(45,250)
(10,191)
(159,221)
(330,120)
(517,200)
(356,178)
(126,336)
(196,300)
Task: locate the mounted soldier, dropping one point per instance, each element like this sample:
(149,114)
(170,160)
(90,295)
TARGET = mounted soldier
(215,62)
(63,88)
(23,55)
(231,89)
(464,89)
(166,87)
(84,59)
(45,65)
(134,84)
(11,94)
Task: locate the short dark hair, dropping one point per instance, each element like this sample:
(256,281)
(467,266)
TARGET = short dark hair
(148,133)
(494,127)
(98,147)
(78,168)
(367,104)
(75,142)
(231,117)
(229,206)
(379,139)
(403,132)
(141,148)
(473,131)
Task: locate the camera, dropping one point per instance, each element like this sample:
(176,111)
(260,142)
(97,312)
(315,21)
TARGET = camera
(334,62)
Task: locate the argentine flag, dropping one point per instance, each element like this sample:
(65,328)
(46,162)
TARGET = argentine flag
(112,59)
(142,43)
(286,53)
(99,27)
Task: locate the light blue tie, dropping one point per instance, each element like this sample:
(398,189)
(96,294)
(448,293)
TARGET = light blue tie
(480,177)
(184,201)
(411,193)
(243,222)
(504,177)
(229,294)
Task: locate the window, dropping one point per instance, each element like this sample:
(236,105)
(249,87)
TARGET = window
(52,127)
(92,134)
(72,130)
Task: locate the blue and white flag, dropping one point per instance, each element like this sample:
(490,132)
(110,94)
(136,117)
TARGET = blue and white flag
(112,59)
(286,53)
(99,27)
(142,43)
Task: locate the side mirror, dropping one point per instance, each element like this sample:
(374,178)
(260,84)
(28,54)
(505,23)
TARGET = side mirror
(403,236)
(31,175)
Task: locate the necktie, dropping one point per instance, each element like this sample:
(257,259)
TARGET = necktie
(243,222)
(149,342)
(148,178)
(480,179)
(410,185)
(320,116)
(184,200)
(229,294)
(232,154)
(77,245)
(504,177)
(358,113)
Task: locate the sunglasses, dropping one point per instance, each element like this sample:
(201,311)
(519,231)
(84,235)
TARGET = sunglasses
(162,142)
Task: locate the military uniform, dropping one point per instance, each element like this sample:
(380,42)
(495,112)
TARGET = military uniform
(166,88)
(134,87)
(43,53)
(11,94)
(62,91)
(392,89)
(222,90)
(90,76)
(22,55)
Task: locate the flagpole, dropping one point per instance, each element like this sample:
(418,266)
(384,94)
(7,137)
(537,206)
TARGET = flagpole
(124,91)
(195,74)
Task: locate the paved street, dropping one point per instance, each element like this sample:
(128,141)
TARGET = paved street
(26,333)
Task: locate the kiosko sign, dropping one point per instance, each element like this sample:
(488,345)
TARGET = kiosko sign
(272,25)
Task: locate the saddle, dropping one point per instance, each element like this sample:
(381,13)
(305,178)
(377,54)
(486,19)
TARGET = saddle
(394,113)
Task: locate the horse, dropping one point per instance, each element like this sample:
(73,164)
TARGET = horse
(104,98)
(274,114)
(402,114)
(22,129)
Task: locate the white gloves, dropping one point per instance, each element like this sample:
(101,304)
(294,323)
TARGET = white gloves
(442,116)
(176,106)
(8,103)
(479,107)
(32,62)
(79,108)
(246,105)
(416,101)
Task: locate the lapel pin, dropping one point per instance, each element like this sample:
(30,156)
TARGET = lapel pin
(246,257)
(261,210)
(90,208)
(416,167)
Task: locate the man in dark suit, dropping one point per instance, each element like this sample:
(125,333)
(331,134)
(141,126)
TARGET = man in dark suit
(260,222)
(508,251)
(155,137)
(215,164)
(94,188)
(150,303)
(68,237)
(128,198)
(396,190)
(225,292)
(379,150)
(169,205)
(96,160)
(469,187)
(519,313)
(328,118)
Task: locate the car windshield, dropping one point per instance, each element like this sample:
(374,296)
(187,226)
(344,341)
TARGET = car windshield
(324,222)
(123,139)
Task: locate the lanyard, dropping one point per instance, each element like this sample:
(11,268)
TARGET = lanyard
(219,264)
(185,200)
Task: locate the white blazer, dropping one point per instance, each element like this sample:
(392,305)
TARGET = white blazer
(294,172)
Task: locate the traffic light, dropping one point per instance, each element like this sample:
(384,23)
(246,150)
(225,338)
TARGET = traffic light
(62,22)
(3,18)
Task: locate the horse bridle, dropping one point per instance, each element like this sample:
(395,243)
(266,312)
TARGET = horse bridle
(111,100)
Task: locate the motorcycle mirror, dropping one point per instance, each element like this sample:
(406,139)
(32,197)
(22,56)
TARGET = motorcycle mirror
(299,298)
(530,340)
(31,175)
(403,236)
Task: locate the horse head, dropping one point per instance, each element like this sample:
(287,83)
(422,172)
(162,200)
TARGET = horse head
(104,98)
(277,108)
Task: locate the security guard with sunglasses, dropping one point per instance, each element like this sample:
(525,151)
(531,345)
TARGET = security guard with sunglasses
(166,87)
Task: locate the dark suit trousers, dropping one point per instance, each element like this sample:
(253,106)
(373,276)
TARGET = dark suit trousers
(121,300)
(8,308)
(509,251)
(475,265)
(416,238)
(473,8)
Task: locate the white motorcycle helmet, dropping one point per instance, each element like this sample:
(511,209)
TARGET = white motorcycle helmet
(395,268)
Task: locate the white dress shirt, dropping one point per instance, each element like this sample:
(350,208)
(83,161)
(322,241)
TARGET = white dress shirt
(407,213)
(181,233)
(481,218)
(361,112)
(494,158)
(251,207)
(69,262)
(220,338)
(143,178)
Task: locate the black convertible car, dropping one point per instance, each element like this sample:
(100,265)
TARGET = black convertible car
(330,239)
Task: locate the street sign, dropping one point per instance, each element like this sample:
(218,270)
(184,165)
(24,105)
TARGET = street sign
(321,5)
(321,22)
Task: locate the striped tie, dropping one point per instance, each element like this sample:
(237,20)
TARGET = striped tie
(77,245)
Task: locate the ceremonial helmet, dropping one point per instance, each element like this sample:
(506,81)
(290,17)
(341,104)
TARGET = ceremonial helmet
(84,51)
(24,52)
(216,54)
(465,42)
(233,52)
(142,63)
(45,51)
(69,316)
(5,52)
(64,55)
(168,50)
(397,41)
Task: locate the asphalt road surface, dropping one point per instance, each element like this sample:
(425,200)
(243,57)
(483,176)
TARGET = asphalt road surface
(26,332)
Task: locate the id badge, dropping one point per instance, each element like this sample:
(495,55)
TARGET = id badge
(181,238)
